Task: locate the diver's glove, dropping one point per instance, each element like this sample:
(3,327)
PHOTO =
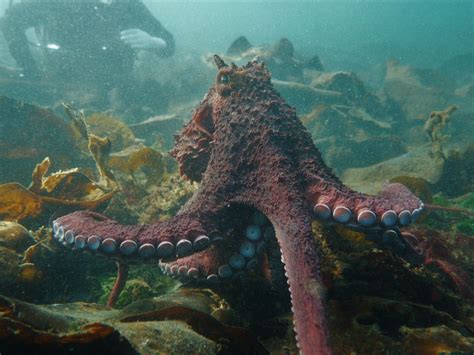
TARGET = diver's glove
(138,39)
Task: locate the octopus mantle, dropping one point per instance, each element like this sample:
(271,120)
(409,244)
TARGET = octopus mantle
(261,177)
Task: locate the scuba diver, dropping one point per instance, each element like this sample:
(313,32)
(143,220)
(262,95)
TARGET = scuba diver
(82,43)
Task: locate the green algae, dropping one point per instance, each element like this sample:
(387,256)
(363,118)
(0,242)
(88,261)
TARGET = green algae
(451,221)
(144,282)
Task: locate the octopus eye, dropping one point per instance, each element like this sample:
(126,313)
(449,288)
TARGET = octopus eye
(224,79)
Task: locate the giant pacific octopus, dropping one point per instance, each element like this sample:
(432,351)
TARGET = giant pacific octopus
(260,177)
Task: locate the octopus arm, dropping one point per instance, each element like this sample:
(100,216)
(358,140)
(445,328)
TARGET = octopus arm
(178,237)
(301,262)
(331,200)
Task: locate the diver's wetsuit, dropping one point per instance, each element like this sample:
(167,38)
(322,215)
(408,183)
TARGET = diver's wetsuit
(87,33)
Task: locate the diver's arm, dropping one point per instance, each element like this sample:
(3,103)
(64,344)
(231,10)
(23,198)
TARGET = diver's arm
(141,18)
(16,21)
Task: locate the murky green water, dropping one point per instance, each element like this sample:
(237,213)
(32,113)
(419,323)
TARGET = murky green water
(386,90)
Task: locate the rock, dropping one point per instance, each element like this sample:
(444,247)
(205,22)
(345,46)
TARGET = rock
(460,68)
(366,140)
(175,323)
(161,129)
(314,63)
(9,268)
(283,61)
(14,236)
(418,91)
(359,153)
(305,97)
(416,163)
(458,174)
(347,83)
(170,337)
(388,303)
(355,94)
(239,46)
(453,175)
(27,135)
(434,340)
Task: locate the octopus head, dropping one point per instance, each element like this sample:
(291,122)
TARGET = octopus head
(231,88)
(232,81)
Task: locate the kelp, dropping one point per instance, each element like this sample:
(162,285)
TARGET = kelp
(99,147)
(60,192)
(237,338)
(170,323)
(115,129)
(434,127)
(139,157)
(394,306)
(377,321)
(19,204)
(63,191)
(16,245)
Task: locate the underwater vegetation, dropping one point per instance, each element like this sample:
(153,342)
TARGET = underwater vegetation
(259,195)
(62,191)
(289,186)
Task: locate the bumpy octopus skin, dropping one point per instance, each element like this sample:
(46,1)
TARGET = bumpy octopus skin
(260,177)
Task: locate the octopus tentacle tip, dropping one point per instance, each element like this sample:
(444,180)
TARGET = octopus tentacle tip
(253,232)
(164,249)
(366,218)
(183,247)
(201,242)
(128,247)
(80,242)
(109,245)
(93,242)
(341,214)
(247,249)
(404,218)
(69,237)
(237,261)
(389,218)
(322,211)
(146,250)
(225,271)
